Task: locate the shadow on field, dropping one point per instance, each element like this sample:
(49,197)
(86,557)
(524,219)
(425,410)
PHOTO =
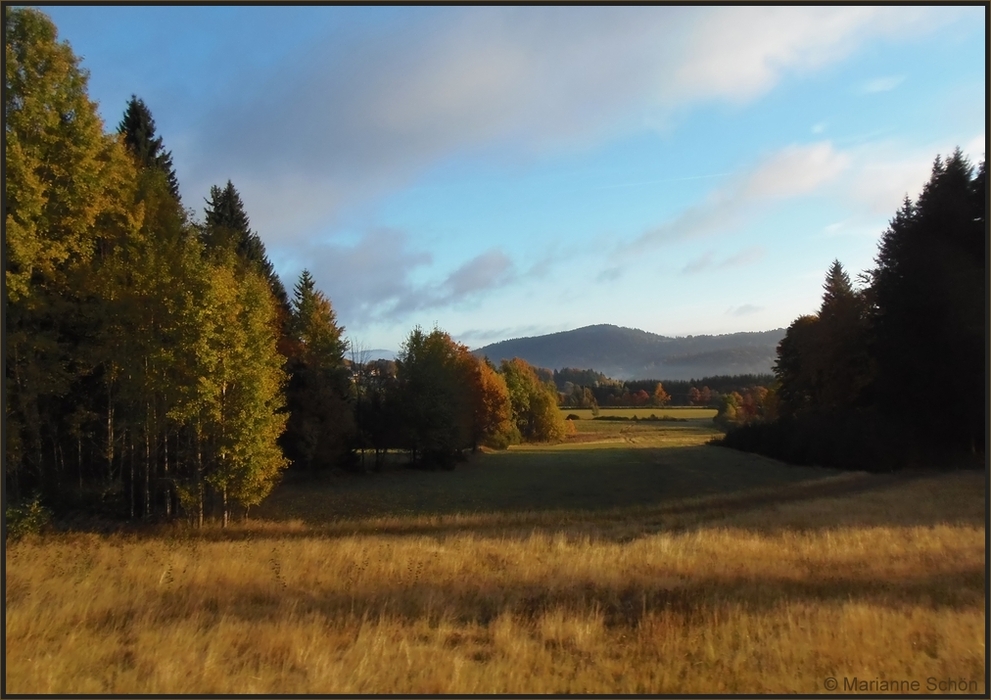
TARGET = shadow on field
(536,480)
(832,501)
(696,600)
(612,494)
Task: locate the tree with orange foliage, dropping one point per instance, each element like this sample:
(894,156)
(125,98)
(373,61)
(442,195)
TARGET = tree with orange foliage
(660,397)
(491,408)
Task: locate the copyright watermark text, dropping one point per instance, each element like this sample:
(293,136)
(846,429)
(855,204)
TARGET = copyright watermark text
(856,684)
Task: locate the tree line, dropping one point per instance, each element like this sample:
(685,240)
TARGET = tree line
(587,388)
(891,371)
(155,365)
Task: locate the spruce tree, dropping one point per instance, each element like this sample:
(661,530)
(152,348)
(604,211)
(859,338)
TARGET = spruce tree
(845,368)
(227,223)
(930,310)
(321,421)
(138,130)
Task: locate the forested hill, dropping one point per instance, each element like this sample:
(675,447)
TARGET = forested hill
(629,353)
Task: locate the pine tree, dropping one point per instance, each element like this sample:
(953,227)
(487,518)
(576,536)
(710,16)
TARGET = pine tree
(838,289)
(314,325)
(321,421)
(138,130)
(929,306)
(846,369)
(227,223)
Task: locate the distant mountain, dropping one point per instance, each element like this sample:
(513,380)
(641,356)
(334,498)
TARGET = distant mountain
(380,354)
(629,353)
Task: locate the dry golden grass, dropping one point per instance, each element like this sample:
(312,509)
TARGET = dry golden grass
(766,590)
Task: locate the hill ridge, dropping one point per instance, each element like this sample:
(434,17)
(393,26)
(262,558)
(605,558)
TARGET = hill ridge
(632,353)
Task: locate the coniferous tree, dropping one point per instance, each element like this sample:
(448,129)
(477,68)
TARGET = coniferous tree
(929,306)
(846,368)
(321,423)
(226,218)
(796,367)
(138,130)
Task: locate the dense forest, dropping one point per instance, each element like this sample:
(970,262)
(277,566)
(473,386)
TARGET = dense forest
(891,372)
(155,364)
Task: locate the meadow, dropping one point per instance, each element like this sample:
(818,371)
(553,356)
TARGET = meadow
(632,558)
(688,412)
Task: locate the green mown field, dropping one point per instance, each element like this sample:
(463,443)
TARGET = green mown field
(631,558)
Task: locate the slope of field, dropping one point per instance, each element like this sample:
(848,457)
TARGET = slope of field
(630,353)
(631,559)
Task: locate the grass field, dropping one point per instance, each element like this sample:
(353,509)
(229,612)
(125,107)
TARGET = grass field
(694,413)
(631,559)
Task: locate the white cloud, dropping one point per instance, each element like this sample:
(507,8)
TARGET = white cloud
(796,170)
(340,124)
(365,280)
(854,226)
(793,171)
(884,84)
(976,149)
(699,264)
(819,128)
(483,336)
(490,270)
(707,261)
(880,184)
(744,257)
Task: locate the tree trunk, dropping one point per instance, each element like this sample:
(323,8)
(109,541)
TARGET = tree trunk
(134,487)
(110,434)
(147,485)
(79,457)
(199,477)
(225,506)
(165,471)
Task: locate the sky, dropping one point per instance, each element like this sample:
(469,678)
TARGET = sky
(501,172)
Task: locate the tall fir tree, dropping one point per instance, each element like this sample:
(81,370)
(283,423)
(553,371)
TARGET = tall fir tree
(846,369)
(930,307)
(320,429)
(227,222)
(138,129)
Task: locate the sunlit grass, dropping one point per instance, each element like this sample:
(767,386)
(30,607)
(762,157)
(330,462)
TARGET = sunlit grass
(772,582)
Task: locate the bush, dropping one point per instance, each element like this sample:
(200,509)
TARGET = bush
(27,519)
(572,416)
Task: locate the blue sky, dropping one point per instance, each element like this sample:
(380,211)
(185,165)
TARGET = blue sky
(512,171)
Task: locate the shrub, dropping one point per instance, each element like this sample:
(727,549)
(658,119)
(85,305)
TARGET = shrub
(27,519)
